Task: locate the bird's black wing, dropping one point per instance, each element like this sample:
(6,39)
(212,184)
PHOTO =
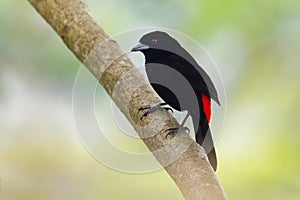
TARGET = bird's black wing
(191,68)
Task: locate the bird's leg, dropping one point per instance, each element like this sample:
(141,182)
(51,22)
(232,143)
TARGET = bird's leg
(151,109)
(180,127)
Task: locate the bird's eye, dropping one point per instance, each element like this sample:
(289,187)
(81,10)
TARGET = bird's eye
(154,41)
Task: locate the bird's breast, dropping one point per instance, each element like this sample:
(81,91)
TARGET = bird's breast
(172,86)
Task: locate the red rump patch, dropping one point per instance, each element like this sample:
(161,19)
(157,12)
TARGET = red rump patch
(206,106)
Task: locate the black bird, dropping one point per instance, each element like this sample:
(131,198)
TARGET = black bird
(181,83)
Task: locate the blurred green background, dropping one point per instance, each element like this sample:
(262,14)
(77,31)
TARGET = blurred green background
(255,44)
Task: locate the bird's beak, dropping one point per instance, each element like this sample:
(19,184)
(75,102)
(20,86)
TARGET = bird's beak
(140,47)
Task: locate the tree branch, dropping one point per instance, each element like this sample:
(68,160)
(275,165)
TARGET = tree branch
(183,159)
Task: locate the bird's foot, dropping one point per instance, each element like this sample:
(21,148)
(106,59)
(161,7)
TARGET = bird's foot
(151,109)
(174,131)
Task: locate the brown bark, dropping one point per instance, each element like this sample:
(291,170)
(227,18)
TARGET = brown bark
(183,159)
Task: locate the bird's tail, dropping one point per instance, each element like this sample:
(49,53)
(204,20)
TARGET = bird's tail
(204,138)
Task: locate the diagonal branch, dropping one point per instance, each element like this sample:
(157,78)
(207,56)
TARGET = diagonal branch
(183,159)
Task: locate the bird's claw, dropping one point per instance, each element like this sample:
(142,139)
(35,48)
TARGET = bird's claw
(175,130)
(168,109)
(151,109)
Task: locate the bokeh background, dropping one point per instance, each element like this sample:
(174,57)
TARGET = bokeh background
(256,46)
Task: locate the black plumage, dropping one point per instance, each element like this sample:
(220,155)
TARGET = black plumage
(180,82)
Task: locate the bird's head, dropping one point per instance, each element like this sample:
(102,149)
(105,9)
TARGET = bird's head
(156,40)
